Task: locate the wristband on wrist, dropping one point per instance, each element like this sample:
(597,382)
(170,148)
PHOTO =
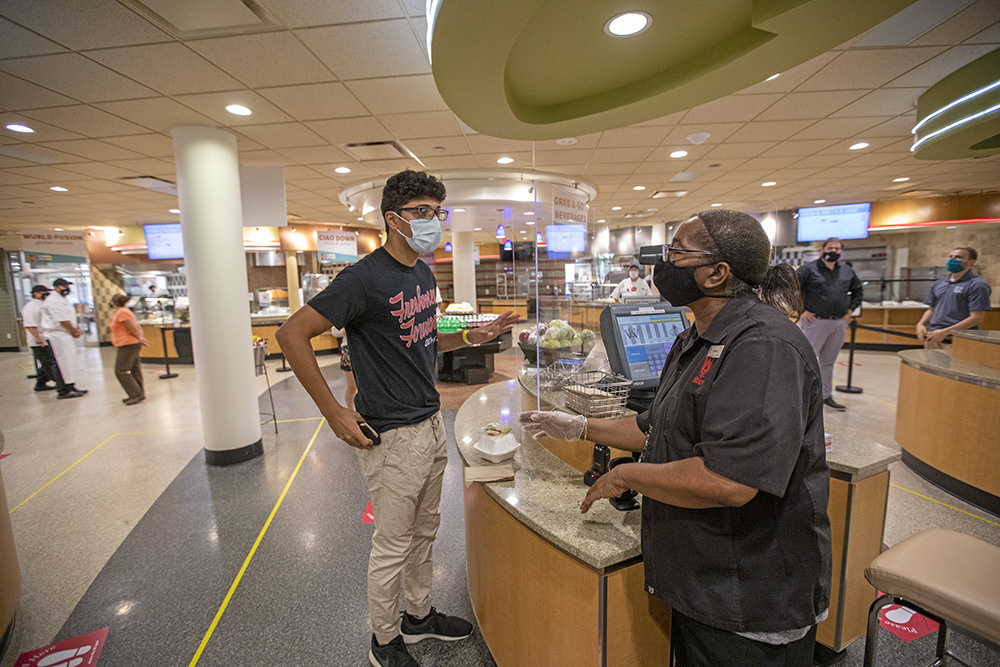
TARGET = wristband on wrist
(585,425)
(465,336)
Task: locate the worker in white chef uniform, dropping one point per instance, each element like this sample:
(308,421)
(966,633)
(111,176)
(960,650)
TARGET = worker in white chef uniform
(59,328)
(633,285)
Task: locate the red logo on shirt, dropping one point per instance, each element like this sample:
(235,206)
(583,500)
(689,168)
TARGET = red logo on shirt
(408,311)
(705,367)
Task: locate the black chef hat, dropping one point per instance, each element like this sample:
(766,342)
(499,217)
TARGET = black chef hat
(40,289)
(61,282)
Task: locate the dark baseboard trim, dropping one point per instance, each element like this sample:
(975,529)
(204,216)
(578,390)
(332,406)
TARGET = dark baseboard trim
(956,487)
(10,349)
(106,344)
(228,457)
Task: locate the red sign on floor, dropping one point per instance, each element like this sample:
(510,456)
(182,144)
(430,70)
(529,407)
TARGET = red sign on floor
(3,456)
(81,651)
(369,516)
(906,623)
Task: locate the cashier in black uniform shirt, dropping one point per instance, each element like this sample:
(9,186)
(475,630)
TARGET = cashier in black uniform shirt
(735,534)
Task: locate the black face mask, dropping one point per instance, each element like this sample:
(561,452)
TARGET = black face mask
(831,256)
(676,284)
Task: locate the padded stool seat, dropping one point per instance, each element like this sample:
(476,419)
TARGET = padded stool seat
(952,578)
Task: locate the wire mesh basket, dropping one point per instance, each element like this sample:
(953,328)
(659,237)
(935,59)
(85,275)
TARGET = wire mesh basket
(560,374)
(598,394)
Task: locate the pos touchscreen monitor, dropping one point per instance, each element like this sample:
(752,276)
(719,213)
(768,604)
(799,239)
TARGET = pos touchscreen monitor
(638,338)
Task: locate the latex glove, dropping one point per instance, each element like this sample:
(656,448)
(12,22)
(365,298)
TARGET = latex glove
(554,424)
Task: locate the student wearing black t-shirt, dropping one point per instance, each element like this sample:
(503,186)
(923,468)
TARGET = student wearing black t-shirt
(386,303)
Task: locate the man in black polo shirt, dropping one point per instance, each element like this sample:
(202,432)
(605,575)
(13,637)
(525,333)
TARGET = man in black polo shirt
(735,534)
(957,303)
(386,303)
(830,291)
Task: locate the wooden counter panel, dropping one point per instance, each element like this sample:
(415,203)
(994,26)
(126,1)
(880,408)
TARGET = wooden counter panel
(526,593)
(866,522)
(949,425)
(826,632)
(983,352)
(324,341)
(638,634)
(10,574)
(154,348)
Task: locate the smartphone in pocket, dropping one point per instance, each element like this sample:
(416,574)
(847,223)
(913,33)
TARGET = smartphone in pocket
(370,433)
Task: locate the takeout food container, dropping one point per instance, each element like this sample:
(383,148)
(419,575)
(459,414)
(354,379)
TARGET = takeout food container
(496,448)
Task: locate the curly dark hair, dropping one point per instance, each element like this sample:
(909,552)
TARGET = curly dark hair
(405,187)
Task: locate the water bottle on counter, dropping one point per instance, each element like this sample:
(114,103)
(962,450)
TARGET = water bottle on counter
(828,439)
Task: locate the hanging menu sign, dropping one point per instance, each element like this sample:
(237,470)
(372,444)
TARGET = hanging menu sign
(47,247)
(568,207)
(337,246)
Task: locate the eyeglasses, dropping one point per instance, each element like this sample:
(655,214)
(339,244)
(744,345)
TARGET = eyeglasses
(423,212)
(669,250)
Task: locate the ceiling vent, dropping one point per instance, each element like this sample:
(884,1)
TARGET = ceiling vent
(151,183)
(685,176)
(664,194)
(377,150)
(920,193)
(186,19)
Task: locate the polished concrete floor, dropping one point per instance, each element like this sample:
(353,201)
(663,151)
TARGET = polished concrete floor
(120,524)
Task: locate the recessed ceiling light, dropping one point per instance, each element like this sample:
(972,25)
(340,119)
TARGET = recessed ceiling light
(530,222)
(678,154)
(568,141)
(698,138)
(858,146)
(529,212)
(952,227)
(360,218)
(716,204)
(504,160)
(768,184)
(16,127)
(238,109)
(638,187)
(477,229)
(175,210)
(616,208)
(458,210)
(602,220)
(652,209)
(343,170)
(773,77)
(58,188)
(628,24)
(57,229)
(820,201)
(901,179)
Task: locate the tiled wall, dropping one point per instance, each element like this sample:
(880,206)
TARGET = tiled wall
(104,286)
(9,334)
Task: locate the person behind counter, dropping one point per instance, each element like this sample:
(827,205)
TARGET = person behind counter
(128,339)
(633,285)
(735,485)
(386,303)
(957,303)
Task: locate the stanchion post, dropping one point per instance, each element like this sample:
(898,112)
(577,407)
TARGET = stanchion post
(166,356)
(849,388)
(284,368)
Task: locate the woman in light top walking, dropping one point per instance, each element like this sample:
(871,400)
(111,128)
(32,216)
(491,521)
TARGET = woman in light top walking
(127,337)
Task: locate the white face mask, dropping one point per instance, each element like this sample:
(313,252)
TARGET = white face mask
(634,275)
(426,234)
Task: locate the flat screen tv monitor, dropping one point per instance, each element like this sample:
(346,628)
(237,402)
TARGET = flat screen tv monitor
(566,238)
(164,241)
(849,221)
(522,251)
(638,338)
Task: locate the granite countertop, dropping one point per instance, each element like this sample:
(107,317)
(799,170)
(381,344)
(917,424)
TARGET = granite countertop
(979,334)
(546,492)
(939,362)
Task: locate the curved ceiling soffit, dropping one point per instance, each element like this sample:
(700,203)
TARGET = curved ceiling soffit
(959,116)
(544,69)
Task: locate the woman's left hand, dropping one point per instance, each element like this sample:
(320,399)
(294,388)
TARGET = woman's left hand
(608,485)
(144,342)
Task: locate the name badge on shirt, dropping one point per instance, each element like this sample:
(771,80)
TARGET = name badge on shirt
(715,351)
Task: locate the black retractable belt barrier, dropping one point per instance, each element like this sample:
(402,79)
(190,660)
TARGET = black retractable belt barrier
(849,388)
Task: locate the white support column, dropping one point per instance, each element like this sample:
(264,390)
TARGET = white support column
(292,278)
(208,188)
(464,267)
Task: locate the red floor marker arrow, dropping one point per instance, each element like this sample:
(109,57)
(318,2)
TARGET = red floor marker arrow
(369,516)
(906,623)
(3,456)
(81,651)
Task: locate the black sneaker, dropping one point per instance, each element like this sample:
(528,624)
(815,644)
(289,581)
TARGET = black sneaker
(44,387)
(393,654)
(434,626)
(830,403)
(71,394)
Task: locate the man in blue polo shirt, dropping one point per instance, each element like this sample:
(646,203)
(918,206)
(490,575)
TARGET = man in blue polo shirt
(957,302)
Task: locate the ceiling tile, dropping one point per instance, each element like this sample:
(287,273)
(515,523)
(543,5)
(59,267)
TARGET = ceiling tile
(153,145)
(746,150)
(107,22)
(898,128)
(768,130)
(38,154)
(451,162)
(609,168)
(632,136)
(990,35)
(92,149)
(482,143)
(16,94)
(839,128)
(798,148)
(396,94)
(282,135)
(350,130)
(789,80)
(75,76)
(315,101)
(270,157)
(213,105)
(368,50)
(422,124)
(18,42)
(314,155)
(882,102)
(729,109)
(636,154)
(42,131)
(156,113)
(868,68)
(670,119)
(938,68)
(439,146)
(961,26)
(302,13)
(810,106)
(171,68)
(264,59)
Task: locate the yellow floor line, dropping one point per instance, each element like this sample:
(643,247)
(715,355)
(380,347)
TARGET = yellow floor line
(253,550)
(301,419)
(113,435)
(903,488)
